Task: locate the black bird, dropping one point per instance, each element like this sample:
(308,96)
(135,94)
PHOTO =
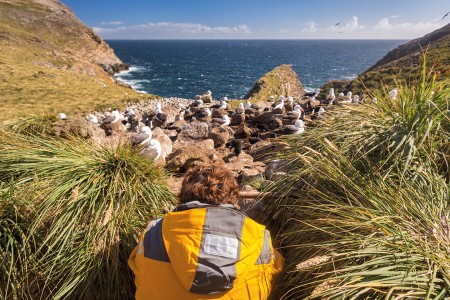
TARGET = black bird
(337,24)
(236,145)
(445,15)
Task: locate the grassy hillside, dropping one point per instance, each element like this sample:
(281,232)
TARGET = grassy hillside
(401,64)
(51,62)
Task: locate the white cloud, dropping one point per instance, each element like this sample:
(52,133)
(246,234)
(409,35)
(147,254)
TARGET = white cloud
(173,30)
(383,24)
(353,25)
(112,23)
(311,27)
(405,30)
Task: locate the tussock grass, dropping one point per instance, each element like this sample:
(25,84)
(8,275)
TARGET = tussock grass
(16,244)
(352,234)
(91,203)
(364,211)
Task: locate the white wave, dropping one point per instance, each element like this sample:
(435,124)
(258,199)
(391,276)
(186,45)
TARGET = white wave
(131,69)
(136,84)
(349,77)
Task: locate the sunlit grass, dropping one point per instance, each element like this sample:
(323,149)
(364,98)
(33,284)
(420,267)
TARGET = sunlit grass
(364,211)
(91,204)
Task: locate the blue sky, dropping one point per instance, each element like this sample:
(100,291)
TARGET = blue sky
(262,19)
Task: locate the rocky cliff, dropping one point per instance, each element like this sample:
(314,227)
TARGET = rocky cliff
(50,61)
(280,81)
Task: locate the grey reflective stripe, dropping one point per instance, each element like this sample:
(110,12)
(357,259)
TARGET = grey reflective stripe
(265,256)
(198,204)
(154,247)
(216,267)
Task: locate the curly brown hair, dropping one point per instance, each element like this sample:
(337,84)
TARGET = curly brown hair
(212,184)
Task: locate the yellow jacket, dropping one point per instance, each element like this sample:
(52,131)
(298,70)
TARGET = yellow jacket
(201,251)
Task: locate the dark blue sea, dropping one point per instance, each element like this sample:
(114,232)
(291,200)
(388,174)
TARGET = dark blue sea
(185,68)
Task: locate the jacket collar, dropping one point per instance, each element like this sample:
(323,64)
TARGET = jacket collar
(198,204)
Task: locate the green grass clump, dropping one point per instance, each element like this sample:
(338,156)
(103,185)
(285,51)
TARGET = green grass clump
(91,204)
(16,245)
(352,234)
(364,211)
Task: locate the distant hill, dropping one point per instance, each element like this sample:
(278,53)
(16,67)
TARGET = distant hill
(50,61)
(404,63)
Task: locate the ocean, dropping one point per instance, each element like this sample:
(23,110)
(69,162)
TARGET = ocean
(185,68)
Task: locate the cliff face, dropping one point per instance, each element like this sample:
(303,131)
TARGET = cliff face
(280,81)
(51,62)
(50,29)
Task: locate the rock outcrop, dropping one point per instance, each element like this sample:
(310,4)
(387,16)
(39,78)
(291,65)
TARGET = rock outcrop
(280,81)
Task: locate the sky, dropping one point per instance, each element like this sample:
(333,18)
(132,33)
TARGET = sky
(262,19)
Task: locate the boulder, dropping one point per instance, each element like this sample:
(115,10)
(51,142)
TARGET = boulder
(193,132)
(237,119)
(171,133)
(171,113)
(264,117)
(242,132)
(218,113)
(262,105)
(113,129)
(177,125)
(276,169)
(187,157)
(78,127)
(263,150)
(219,135)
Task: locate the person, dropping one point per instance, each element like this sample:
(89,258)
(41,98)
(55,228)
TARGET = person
(205,248)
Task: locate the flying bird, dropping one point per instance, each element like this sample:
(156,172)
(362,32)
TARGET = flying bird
(337,24)
(445,15)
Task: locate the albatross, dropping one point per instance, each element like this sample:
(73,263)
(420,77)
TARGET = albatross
(113,117)
(142,138)
(298,127)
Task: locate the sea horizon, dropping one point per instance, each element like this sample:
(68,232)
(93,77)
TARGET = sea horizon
(230,67)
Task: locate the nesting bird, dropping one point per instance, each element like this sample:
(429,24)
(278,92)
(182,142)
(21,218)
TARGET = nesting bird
(297,113)
(112,122)
(289,105)
(279,108)
(298,127)
(113,117)
(331,96)
(240,109)
(224,121)
(93,119)
(142,138)
(203,114)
